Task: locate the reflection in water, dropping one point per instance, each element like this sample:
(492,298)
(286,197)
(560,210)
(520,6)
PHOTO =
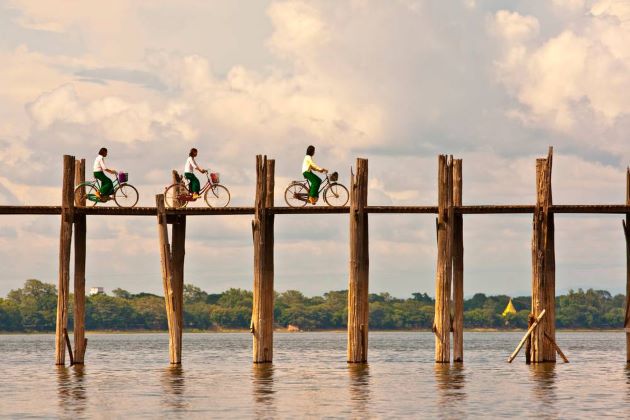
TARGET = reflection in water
(544,383)
(262,381)
(450,381)
(71,389)
(173,384)
(359,387)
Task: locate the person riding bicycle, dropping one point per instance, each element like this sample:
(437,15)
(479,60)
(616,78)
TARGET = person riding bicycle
(107,186)
(308,166)
(189,169)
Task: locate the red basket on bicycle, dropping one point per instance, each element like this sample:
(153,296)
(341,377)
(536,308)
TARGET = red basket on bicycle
(123,177)
(214,176)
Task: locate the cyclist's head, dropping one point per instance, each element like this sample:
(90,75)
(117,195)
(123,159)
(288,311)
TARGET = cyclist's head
(193,152)
(310,150)
(103,151)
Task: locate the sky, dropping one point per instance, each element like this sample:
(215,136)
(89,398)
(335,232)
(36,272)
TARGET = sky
(397,82)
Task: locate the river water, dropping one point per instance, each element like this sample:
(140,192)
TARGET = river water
(127,375)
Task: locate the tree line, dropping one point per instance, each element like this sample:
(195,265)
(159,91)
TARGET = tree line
(32,308)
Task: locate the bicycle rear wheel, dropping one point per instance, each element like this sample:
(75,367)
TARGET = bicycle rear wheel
(172,196)
(81,194)
(217,196)
(296,195)
(336,195)
(126,195)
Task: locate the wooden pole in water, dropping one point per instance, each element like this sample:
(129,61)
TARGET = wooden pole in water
(358,283)
(79,270)
(543,264)
(65,243)
(458,266)
(170,296)
(626,230)
(442,321)
(262,230)
(177,258)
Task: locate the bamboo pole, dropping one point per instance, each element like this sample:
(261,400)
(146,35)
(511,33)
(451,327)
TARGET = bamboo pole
(527,335)
(626,230)
(65,243)
(556,348)
(80,228)
(358,282)
(458,266)
(443,277)
(543,263)
(166,259)
(262,230)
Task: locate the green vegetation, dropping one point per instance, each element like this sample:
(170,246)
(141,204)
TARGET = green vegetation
(33,308)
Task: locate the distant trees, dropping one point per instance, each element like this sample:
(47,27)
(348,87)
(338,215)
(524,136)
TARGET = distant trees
(33,308)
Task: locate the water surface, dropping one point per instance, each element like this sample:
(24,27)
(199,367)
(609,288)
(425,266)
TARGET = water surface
(127,375)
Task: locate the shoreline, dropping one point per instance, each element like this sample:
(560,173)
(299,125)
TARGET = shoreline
(284,331)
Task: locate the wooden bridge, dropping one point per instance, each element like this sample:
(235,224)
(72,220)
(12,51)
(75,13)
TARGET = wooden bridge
(449,314)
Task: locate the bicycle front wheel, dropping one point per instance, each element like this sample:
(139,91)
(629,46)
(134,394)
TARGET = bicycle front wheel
(173,196)
(81,194)
(336,195)
(217,196)
(126,195)
(296,195)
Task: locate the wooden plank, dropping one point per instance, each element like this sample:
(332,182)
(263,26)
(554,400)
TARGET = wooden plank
(80,230)
(262,231)
(65,241)
(358,280)
(458,266)
(443,277)
(526,336)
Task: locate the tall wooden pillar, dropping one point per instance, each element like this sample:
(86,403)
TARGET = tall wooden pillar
(443,277)
(458,266)
(626,230)
(65,243)
(358,284)
(172,263)
(262,230)
(543,265)
(79,270)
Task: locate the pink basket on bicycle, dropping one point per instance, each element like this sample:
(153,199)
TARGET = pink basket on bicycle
(214,176)
(123,177)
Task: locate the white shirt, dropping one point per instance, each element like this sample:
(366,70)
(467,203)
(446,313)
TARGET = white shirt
(190,165)
(308,164)
(99,164)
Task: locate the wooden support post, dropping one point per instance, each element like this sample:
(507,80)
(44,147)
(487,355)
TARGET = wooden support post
(533,327)
(443,277)
(626,230)
(458,266)
(172,272)
(543,264)
(79,271)
(262,229)
(178,253)
(358,283)
(65,243)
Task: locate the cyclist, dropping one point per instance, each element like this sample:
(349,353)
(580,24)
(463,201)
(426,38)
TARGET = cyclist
(308,166)
(189,170)
(107,186)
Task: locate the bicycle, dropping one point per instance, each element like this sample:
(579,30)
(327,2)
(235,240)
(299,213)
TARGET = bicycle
(335,194)
(124,195)
(215,195)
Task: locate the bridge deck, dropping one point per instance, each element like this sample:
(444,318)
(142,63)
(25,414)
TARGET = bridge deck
(480,209)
